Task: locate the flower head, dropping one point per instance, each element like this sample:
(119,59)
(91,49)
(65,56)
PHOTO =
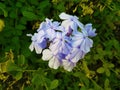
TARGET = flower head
(39,42)
(62,44)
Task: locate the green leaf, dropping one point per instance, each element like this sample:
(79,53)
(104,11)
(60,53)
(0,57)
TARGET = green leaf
(43,4)
(12,67)
(54,84)
(83,88)
(18,4)
(2,7)
(106,83)
(18,75)
(100,70)
(3,67)
(107,72)
(20,27)
(84,78)
(29,15)
(85,67)
(111,65)
(15,40)
(29,88)
(21,60)
(13,14)
(96,86)
(38,78)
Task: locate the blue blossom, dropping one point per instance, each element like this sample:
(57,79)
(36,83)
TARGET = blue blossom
(70,22)
(58,49)
(50,28)
(83,42)
(72,58)
(43,26)
(76,54)
(38,42)
(62,44)
(90,31)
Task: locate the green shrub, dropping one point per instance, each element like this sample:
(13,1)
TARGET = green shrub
(21,69)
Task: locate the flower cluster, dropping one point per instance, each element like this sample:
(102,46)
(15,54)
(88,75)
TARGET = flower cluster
(63,44)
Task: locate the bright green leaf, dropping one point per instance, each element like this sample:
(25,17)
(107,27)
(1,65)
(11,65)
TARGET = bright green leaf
(107,71)
(3,67)
(54,84)
(106,83)
(100,70)
(111,65)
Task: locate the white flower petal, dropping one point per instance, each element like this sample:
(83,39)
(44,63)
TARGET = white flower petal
(64,16)
(38,49)
(31,47)
(46,54)
(79,24)
(30,35)
(54,63)
(68,65)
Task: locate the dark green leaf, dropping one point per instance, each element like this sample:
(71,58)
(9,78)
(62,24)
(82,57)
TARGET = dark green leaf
(12,67)
(21,60)
(30,15)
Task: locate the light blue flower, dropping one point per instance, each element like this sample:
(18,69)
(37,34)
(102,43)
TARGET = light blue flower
(50,28)
(57,51)
(89,31)
(76,54)
(38,42)
(72,58)
(60,44)
(43,26)
(63,44)
(70,22)
(82,41)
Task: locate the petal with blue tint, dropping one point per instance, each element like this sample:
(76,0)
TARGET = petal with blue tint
(64,16)
(68,65)
(46,54)
(54,63)
(38,49)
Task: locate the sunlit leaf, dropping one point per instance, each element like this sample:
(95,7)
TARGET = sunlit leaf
(101,70)
(106,83)
(54,84)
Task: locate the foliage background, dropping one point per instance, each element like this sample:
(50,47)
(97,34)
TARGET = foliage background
(21,69)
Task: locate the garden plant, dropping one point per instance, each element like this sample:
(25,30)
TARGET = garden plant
(60,45)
